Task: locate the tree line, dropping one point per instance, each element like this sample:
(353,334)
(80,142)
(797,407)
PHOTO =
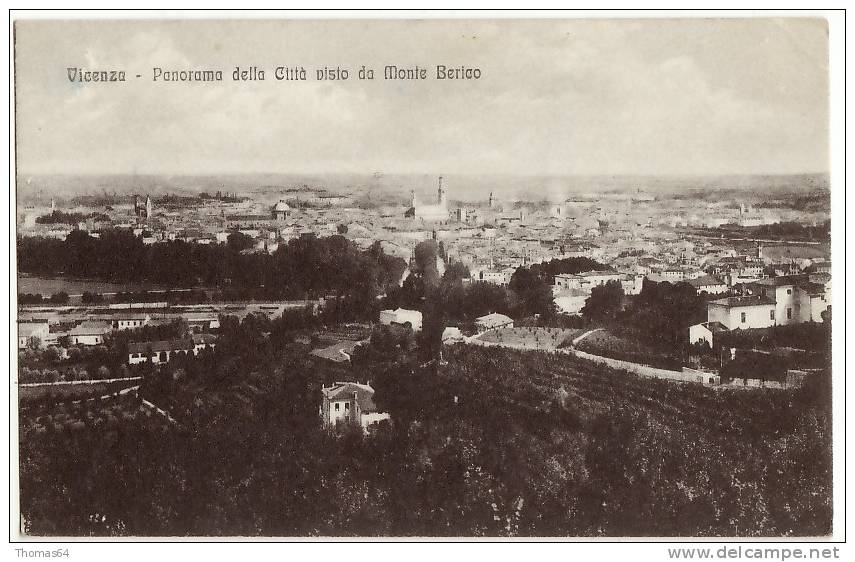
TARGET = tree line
(495,443)
(302,268)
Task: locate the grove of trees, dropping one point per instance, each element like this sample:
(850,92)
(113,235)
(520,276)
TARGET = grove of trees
(494,443)
(302,268)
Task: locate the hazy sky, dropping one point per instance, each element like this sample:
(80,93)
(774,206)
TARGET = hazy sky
(555,97)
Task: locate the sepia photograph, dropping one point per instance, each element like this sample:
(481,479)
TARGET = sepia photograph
(424,277)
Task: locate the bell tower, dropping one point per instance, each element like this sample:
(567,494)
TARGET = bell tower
(441,198)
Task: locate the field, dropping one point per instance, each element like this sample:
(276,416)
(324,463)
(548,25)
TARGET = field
(609,344)
(488,442)
(70,392)
(531,338)
(47,286)
(107,413)
(649,457)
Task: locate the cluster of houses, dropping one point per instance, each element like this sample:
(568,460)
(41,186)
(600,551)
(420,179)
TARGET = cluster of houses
(413,319)
(774,301)
(51,327)
(166,350)
(93,332)
(571,290)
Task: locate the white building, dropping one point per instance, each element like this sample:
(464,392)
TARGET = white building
(797,300)
(349,402)
(671,275)
(570,301)
(496,277)
(402,316)
(130,321)
(29,330)
(742,312)
(587,279)
(431,213)
(452,334)
(89,332)
(708,284)
(166,350)
(493,321)
(280,211)
(632,284)
(706,332)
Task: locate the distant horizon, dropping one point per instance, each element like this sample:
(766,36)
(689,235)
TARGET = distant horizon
(22,175)
(461,187)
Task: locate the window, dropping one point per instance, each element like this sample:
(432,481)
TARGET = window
(743,318)
(771,315)
(336,406)
(789,291)
(347,405)
(789,313)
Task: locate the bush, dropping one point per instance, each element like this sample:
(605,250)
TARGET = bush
(755,365)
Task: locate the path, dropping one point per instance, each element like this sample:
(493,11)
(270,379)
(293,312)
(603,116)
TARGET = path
(585,335)
(164,413)
(87,381)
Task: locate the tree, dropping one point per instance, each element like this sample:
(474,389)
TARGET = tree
(52,354)
(535,295)
(662,312)
(238,241)
(456,271)
(483,298)
(605,301)
(424,263)
(547,271)
(341,228)
(92,298)
(59,298)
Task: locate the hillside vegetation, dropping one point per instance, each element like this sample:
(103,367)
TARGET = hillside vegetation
(493,443)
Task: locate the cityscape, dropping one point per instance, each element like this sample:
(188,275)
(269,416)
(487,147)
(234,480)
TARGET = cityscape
(432,351)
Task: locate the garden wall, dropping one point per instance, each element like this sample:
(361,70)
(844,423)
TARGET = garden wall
(686,375)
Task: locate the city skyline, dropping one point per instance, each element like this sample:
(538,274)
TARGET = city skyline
(584,288)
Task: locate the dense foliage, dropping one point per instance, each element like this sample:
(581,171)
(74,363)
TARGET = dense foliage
(56,298)
(59,217)
(779,230)
(302,267)
(605,302)
(658,317)
(548,270)
(493,443)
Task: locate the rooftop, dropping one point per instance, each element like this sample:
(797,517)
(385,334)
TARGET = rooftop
(754,300)
(90,327)
(29,329)
(783,280)
(158,346)
(493,318)
(704,281)
(199,339)
(345,390)
(281,206)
